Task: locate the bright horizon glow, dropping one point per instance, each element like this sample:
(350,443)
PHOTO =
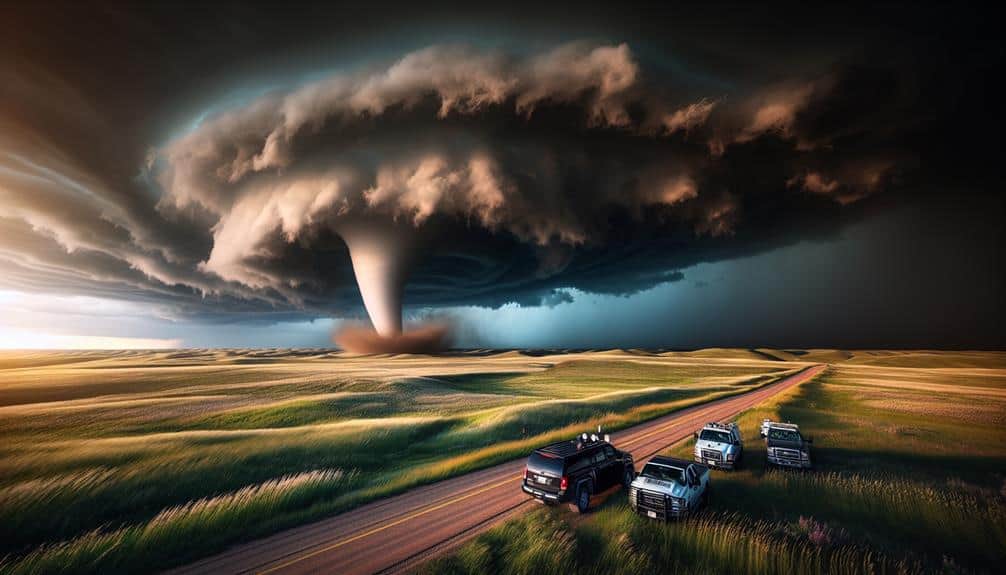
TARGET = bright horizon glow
(59,321)
(45,321)
(17,339)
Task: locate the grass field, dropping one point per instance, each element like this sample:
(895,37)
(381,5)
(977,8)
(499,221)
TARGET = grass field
(910,477)
(119,461)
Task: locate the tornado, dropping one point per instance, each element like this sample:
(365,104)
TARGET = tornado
(382,253)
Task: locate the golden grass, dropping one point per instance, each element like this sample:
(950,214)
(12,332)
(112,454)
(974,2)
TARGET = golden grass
(982,413)
(182,529)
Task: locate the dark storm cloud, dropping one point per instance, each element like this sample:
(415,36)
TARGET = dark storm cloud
(521,172)
(522,175)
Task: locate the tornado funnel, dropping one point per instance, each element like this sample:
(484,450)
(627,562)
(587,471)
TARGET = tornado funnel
(382,253)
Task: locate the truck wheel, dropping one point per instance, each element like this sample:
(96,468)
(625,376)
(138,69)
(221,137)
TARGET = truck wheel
(583,498)
(627,479)
(705,498)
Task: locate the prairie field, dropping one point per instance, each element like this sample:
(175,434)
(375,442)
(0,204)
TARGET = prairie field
(119,461)
(910,477)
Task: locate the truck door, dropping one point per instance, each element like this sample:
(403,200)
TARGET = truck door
(577,467)
(614,466)
(602,466)
(600,473)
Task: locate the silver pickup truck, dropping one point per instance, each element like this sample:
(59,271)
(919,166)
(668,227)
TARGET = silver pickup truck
(719,445)
(669,488)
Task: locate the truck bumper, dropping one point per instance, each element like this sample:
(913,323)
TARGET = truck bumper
(728,465)
(789,463)
(541,495)
(654,506)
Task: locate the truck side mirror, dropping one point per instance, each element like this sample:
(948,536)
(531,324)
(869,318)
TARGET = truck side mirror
(695,435)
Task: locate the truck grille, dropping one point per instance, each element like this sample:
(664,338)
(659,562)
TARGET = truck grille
(710,454)
(650,500)
(788,455)
(662,508)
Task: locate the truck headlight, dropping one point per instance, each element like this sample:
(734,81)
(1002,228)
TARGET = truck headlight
(730,456)
(805,455)
(632,496)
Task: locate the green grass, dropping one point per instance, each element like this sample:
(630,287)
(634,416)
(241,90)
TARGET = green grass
(910,476)
(615,541)
(116,462)
(182,532)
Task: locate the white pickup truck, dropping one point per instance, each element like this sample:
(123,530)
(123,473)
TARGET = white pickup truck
(669,488)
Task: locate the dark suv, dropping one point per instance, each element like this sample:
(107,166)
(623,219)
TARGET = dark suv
(572,471)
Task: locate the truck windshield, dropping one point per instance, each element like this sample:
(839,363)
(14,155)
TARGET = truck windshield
(663,473)
(713,435)
(784,434)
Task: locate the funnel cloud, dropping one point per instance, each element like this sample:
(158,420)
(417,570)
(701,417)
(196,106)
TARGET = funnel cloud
(381,253)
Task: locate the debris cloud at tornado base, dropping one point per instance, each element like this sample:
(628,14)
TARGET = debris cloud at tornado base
(427,338)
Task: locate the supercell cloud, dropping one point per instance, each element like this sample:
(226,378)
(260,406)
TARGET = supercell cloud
(427,162)
(450,175)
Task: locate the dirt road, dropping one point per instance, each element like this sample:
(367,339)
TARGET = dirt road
(398,533)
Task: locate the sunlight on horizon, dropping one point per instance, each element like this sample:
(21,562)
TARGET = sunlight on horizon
(27,339)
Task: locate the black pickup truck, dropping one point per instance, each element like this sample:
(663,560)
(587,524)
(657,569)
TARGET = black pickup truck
(572,471)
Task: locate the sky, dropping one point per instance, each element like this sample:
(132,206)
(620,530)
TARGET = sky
(565,177)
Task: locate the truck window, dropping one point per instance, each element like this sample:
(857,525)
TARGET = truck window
(609,451)
(599,456)
(780,434)
(663,473)
(714,435)
(577,463)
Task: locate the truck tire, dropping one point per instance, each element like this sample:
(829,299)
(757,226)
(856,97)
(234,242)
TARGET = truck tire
(705,498)
(583,498)
(627,479)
